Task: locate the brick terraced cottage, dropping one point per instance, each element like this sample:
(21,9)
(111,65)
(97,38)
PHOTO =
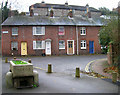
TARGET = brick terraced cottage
(37,35)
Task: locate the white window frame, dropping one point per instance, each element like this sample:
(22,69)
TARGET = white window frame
(82,29)
(14,31)
(13,45)
(84,45)
(64,44)
(42,46)
(42,30)
(62,31)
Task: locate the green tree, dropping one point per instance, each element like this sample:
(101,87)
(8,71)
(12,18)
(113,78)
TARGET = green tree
(5,11)
(106,11)
(109,32)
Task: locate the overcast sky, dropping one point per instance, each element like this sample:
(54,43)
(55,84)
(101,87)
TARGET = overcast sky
(23,5)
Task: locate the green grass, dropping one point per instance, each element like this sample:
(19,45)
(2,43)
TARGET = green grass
(18,62)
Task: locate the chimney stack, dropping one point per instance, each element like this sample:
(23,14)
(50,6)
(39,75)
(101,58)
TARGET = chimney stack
(51,12)
(43,1)
(88,11)
(66,3)
(31,11)
(70,14)
(12,12)
(87,8)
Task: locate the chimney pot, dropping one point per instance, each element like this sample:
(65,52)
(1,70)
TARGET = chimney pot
(51,12)
(66,3)
(88,11)
(89,14)
(87,8)
(70,14)
(31,11)
(43,1)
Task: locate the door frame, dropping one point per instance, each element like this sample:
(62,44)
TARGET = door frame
(21,47)
(48,40)
(68,47)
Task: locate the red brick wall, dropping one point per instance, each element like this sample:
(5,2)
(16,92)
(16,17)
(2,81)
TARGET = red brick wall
(25,34)
(91,35)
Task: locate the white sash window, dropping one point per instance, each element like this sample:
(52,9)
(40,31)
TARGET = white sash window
(82,31)
(14,45)
(39,30)
(61,44)
(83,44)
(38,44)
(15,31)
(61,30)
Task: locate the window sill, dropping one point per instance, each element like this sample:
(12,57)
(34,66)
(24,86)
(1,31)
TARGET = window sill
(83,34)
(61,35)
(83,48)
(39,34)
(39,49)
(61,48)
(14,50)
(14,35)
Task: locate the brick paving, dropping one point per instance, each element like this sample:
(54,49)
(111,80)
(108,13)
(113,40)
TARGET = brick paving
(98,66)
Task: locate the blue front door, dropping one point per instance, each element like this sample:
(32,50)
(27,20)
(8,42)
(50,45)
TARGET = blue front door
(91,47)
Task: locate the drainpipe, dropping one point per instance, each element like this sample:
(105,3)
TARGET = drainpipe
(77,39)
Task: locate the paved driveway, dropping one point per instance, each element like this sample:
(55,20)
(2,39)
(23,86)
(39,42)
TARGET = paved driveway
(63,80)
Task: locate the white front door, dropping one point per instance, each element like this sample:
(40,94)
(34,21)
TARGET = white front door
(48,48)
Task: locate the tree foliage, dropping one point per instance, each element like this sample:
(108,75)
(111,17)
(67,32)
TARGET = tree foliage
(5,11)
(109,32)
(106,11)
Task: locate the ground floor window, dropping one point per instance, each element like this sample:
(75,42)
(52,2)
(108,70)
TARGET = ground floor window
(83,44)
(14,45)
(38,44)
(61,44)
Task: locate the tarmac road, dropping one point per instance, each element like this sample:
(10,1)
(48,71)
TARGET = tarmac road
(63,80)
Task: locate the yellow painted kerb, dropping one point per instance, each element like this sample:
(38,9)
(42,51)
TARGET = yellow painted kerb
(40,68)
(87,66)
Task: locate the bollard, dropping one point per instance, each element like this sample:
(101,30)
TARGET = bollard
(77,72)
(114,77)
(14,58)
(29,60)
(9,80)
(49,68)
(6,60)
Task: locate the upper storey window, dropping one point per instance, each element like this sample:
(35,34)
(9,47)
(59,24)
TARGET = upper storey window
(39,30)
(83,31)
(15,31)
(61,30)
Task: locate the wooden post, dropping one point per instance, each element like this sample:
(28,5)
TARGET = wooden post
(49,68)
(6,60)
(14,58)
(114,77)
(77,72)
(29,60)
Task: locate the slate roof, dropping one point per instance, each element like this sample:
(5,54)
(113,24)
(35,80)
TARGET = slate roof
(39,20)
(63,6)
